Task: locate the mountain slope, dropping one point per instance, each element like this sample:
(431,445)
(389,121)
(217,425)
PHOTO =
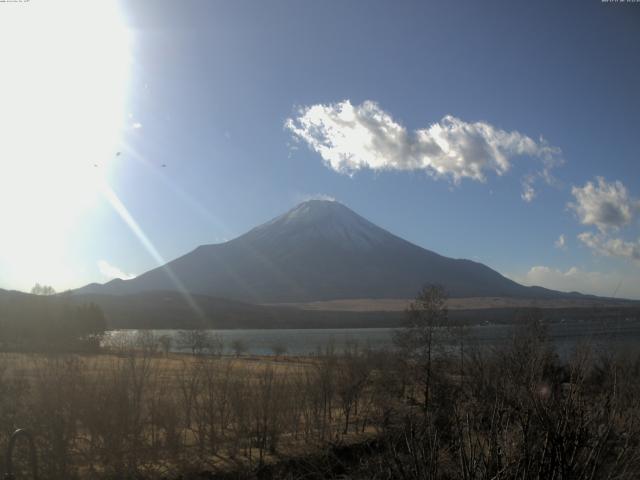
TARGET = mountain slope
(320,250)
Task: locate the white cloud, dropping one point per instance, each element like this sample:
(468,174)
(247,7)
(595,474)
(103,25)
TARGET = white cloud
(608,206)
(318,196)
(300,197)
(528,191)
(352,137)
(111,271)
(575,279)
(611,247)
(136,125)
(561,242)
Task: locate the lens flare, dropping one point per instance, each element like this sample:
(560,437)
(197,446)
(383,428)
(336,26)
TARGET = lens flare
(64,84)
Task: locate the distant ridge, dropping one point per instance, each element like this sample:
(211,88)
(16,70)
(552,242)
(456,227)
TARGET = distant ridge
(320,250)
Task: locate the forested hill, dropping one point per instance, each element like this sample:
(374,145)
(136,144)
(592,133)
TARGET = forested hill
(43,322)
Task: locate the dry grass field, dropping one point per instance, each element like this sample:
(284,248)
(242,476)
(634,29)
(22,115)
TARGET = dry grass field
(143,413)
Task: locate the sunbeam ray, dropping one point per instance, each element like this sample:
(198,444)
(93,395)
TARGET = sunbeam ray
(187,197)
(124,214)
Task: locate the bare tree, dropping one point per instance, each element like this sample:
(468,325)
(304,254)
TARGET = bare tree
(38,289)
(278,349)
(239,346)
(165,342)
(352,376)
(417,339)
(200,341)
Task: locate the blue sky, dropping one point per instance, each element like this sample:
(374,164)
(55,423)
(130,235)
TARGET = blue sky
(206,88)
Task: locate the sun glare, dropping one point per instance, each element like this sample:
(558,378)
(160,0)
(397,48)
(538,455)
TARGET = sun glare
(65,68)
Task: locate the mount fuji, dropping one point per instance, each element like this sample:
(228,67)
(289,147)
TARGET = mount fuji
(320,250)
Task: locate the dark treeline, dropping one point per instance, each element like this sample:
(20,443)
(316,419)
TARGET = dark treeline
(551,315)
(46,322)
(170,310)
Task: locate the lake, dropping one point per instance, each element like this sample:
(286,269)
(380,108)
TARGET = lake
(619,334)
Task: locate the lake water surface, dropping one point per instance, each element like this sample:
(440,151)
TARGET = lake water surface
(619,334)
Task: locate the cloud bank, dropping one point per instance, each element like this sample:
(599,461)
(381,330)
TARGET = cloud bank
(111,271)
(608,206)
(317,196)
(576,279)
(354,137)
(611,247)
